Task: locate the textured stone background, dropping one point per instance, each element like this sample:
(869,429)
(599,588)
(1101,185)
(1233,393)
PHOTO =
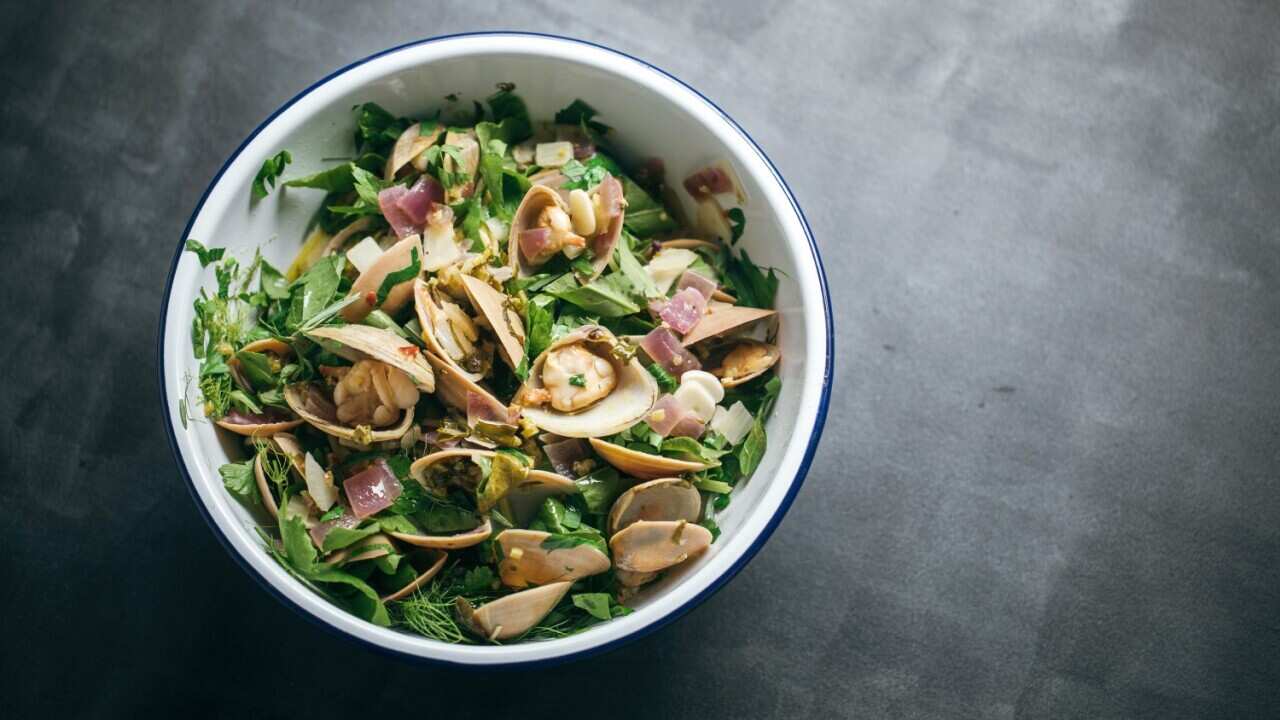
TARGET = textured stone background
(1048,486)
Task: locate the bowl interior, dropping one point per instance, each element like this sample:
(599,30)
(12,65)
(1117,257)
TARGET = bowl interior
(653,116)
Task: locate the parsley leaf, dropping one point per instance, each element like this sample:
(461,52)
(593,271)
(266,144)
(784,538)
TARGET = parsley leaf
(665,382)
(205,255)
(239,480)
(404,274)
(738,222)
(272,168)
(579,112)
(577,380)
(339,179)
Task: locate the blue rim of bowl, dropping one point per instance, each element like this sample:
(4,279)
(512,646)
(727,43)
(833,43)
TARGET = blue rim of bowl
(814,437)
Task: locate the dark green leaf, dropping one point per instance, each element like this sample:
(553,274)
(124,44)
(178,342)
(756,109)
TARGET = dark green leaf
(596,604)
(272,282)
(538,320)
(737,222)
(404,274)
(340,537)
(665,382)
(271,169)
(339,179)
(752,287)
(205,255)
(752,449)
(256,368)
(579,112)
(608,296)
(377,129)
(599,489)
(509,110)
(239,480)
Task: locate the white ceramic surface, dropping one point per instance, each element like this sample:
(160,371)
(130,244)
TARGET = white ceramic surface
(653,115)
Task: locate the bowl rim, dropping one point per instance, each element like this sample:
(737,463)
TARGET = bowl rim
(555,659)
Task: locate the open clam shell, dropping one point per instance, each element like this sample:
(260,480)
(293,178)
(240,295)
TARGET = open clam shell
(538,198)
(430,562)
(288,445)
(452,385)
(258,430)
(723,319)
(643,465)
(412,142)
(742,360)
(512,615)
(457,541)
(649,546)
(632,397)
(437,330)
(506,323)
(524,498)
(301,399)
(356,342)
(526,562)
(661,499)
(394,259)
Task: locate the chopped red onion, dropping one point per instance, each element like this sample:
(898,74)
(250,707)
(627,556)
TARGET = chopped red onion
(345,520)
(708,181)
(665,349)
(417,202)
(666,414)
(485,407)
(399,220)
(689,426)
(697,281)
(534,241)
(683,311)
(563,454)
(373,489)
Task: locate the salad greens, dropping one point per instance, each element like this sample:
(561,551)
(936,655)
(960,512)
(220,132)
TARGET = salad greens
(504,385)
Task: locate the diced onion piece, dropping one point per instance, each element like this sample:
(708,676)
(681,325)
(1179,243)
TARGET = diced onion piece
(321,487)
(373,489)
(733,424)
(365,253)
(552,154)
(583,213)
(708,382)
(711,219)
(694,397)
(666,266)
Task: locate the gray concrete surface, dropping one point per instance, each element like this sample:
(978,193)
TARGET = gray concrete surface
(1049,484)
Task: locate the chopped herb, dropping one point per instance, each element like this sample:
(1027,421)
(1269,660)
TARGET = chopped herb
(404,274)
(738,222)
(665,382)
(577,381)
(272,168)
(205,255)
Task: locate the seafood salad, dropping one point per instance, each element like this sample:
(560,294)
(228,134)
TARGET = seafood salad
(508,380)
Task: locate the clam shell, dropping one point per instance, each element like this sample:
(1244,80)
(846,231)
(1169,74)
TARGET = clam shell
(535,200)
(524,498)
(771,355)
(427,310)
(643,465)
(531,564)
(360,341)
(354,553)
(341,237)
(513,615)
(270,345)
(505,322)
(661,499)
(396,257)
(631,399)
(465,539)
(258,431)
(294,397)
(648,546)
(723,319)
(288,445)
(453,385)
(423,578)
(411,143)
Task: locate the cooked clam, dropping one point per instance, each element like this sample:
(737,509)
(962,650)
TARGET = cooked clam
(544,226)
(512,615)
(740,361)
(643,465)
(661,499)
(583,385)
(649,546)
(525,561)
(355,342)
(523,495)
(450,332)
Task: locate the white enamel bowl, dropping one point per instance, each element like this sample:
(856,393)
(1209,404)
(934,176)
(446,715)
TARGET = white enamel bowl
(654,114)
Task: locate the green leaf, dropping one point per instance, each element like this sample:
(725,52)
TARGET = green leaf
(404,274)
(752,287)
(297,544)
(510,111)
(398,523)
(752,449)
(314,290)
(647,223)
(205,255)
(272,282)
(300,555)
(579,112)
(713,527)
(377,129)
(239,480)
(631,268)
(687,446)
(599,489)
(608,296)
(334,513)
(241,400)
(596,604)
(339,179)
(271,169)
(366,184)
(446,518)
(584,536)
(737,222)
(478,579)
(557,517)
(340,537)
(713,486)
(538,321)
(665,382)
(256,368)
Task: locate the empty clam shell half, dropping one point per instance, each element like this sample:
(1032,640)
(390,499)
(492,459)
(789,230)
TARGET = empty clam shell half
(723,319)
(430,563)
(505,322)
(525,561)
(513,615)
(355,342)
(648,546)
(643,465)
(661,499)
